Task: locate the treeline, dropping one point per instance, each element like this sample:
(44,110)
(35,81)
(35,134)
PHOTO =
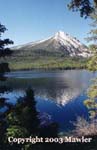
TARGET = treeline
(28,63)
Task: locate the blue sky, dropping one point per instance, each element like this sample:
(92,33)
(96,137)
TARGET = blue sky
(31,20)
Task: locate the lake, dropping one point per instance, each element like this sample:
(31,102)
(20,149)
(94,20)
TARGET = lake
(59,94)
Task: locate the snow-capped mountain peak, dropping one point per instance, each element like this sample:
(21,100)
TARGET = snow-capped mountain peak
(61,42)
(60,35)
(67,38)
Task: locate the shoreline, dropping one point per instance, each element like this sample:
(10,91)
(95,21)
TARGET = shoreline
(50,69)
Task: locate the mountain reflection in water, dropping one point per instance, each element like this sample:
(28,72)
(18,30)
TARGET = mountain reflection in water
(58,86)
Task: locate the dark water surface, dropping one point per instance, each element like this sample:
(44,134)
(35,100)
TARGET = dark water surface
(60,94)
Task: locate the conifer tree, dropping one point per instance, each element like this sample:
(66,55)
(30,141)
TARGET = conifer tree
(85,7)
(4,51)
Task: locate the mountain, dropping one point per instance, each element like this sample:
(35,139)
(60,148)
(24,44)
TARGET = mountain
(61,44)
(60,51)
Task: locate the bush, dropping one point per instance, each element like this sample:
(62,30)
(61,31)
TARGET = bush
(85,128)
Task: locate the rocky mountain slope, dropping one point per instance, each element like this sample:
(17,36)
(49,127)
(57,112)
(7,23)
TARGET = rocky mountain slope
(60,44)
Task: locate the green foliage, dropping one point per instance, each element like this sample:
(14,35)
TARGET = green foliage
(93,48)
(24,114)
(93,31)
(52,62)
(23,121)
(16,131)
(92,114)
(4,51)
(92,91)
(85,7)
(91,103)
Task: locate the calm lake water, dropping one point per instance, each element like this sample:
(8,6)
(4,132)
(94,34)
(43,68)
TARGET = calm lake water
(59,94)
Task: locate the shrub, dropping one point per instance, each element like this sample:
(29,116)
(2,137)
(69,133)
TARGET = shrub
(85,128)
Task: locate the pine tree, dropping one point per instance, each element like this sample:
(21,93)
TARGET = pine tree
(23,119)
(4,42)
(4,51)
(85,7)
